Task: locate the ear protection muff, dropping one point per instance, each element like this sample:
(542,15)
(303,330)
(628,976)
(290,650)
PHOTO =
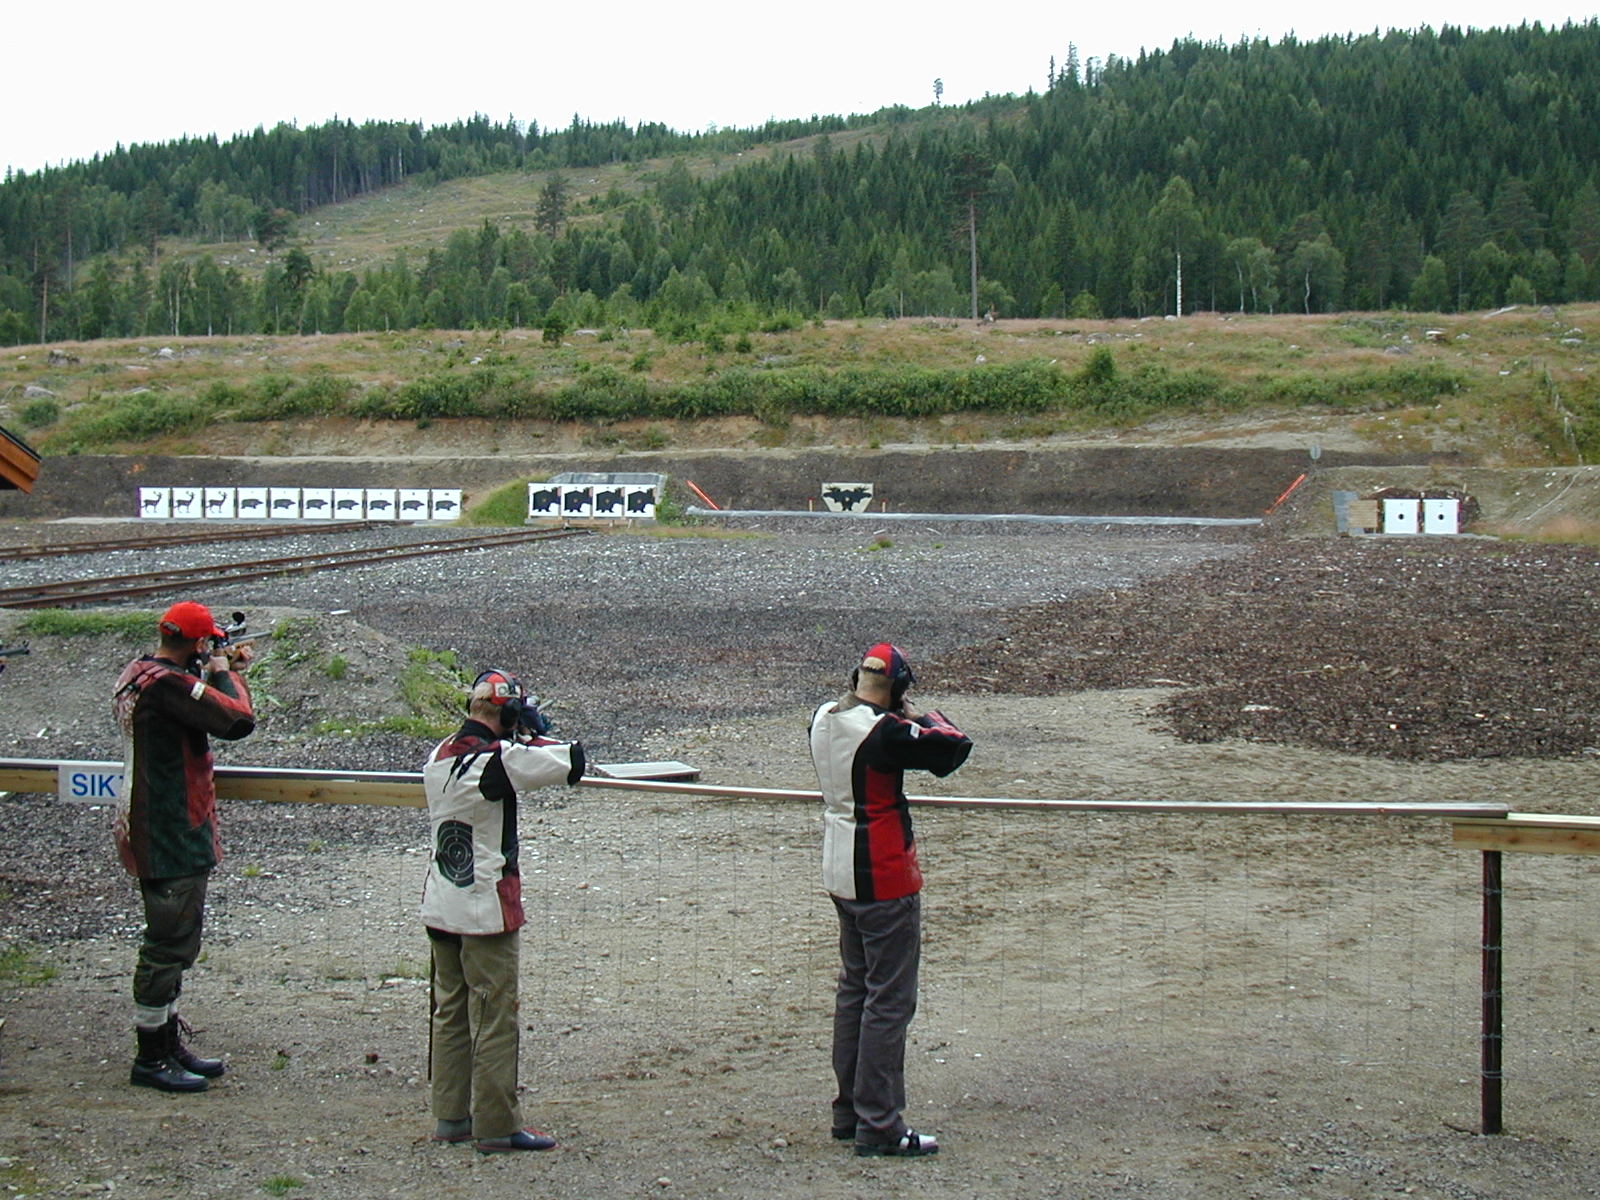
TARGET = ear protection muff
(517,709)
(899,684)
(505,693)
(897,669)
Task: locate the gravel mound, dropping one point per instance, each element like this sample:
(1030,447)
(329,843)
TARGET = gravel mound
(1425,649)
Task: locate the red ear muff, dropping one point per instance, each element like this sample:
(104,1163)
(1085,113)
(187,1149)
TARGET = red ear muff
(517,710)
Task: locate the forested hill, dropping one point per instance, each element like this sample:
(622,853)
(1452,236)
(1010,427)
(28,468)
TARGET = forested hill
(1430,170)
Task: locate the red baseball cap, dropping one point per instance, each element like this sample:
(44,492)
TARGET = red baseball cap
(888,659)
(190,620)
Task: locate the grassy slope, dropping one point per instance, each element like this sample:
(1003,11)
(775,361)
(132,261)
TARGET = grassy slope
(1503,413)
(417,217)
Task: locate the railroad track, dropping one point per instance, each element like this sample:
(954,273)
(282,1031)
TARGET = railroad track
(122,587)
(188,538)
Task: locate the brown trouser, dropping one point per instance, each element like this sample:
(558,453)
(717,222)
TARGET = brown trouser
(475,1032)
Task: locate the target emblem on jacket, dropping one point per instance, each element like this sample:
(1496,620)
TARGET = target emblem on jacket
(453,852)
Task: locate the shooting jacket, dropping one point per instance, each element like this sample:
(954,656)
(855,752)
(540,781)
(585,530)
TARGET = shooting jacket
(862,753)
(166,823)
(471,782)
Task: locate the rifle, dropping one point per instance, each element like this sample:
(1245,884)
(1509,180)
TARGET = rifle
(233,634)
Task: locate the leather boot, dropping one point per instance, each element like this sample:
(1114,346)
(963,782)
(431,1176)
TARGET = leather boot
(179,1053)
(154,1066)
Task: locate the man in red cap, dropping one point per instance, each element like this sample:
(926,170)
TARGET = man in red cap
(862,746)
(168,704)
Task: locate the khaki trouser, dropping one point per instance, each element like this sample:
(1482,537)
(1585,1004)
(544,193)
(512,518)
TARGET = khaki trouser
(475,1031)
(174,915)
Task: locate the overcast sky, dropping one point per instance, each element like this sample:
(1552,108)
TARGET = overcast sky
(83,78)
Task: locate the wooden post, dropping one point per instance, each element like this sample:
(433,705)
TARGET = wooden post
(1492,1041)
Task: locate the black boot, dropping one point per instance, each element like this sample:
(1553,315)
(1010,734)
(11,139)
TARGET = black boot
(176,1031)
(154,1067)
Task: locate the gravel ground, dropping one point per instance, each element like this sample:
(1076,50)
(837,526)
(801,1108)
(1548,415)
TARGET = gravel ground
(639,643)
(1114,1008)
(1428,650)
(627,635)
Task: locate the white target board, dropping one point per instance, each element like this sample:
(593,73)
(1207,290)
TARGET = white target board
(219,503)
(1441,516)
(316,504)
(382,504)
(413,504)
(349,504)
(577,501)
(444,504)
(611,501)
(252,503)
(544,500)
(188,503)
(155,503)
(847,497)
(1400,516)
(640,502)
(283,503)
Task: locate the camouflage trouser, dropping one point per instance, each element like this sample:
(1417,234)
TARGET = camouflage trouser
(174,910)
(475,1031)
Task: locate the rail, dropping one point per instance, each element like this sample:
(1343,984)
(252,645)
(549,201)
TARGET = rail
(404,789)
(194,536)
(119,587)
(694,510)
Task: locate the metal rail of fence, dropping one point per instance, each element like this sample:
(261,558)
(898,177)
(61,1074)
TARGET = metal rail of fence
(1492,829)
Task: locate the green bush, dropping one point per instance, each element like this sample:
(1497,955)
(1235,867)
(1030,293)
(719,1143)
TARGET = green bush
(506,505)
(1100,369)
(38,413)
(276,397)
(438,396)
(141,418)
(67,622)
(1381,387)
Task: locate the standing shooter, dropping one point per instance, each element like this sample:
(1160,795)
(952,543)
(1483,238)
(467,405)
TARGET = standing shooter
(168,705)
(862,745)
(472,907)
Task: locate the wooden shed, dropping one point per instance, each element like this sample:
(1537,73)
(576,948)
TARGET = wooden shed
(19,462)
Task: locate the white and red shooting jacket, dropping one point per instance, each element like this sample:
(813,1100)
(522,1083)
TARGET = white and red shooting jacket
(471,781)
(862,753)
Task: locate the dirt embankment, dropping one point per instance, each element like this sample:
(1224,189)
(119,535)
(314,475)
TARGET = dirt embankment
(1095,481)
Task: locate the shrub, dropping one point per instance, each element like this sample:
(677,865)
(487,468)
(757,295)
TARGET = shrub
(143,417)
(276,397)
(67,622)
(1100,369)
(36,414)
